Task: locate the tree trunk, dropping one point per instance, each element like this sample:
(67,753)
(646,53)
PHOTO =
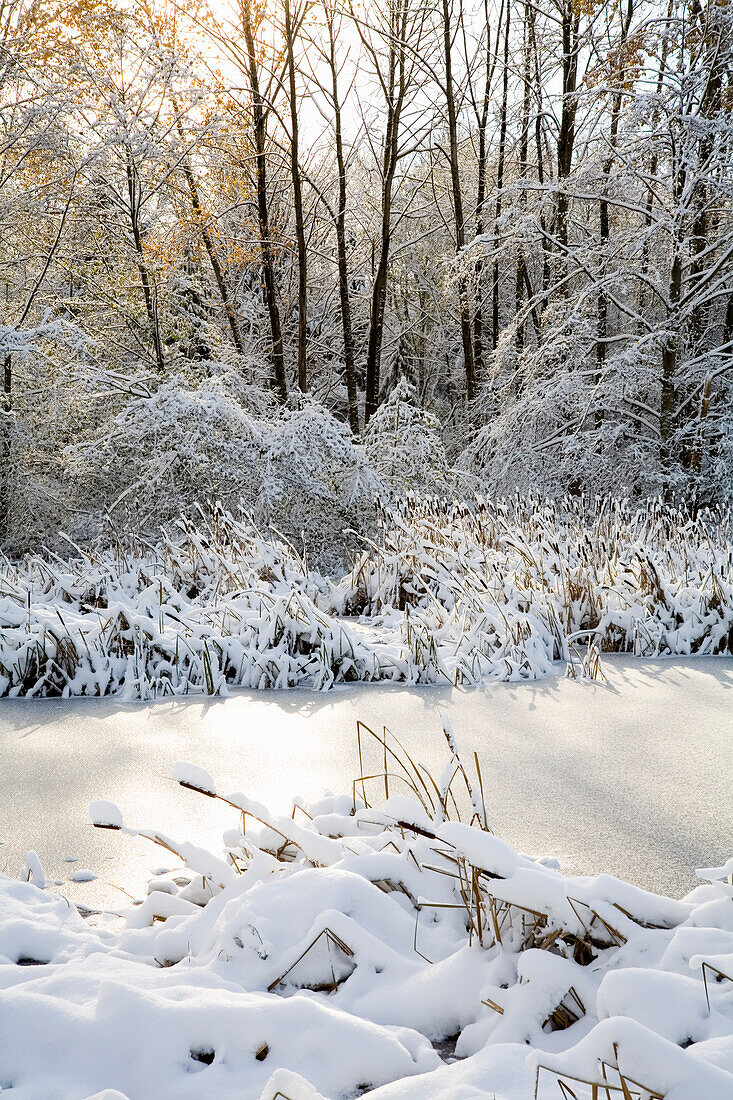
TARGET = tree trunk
(566,136)
(298,209)
(670,353)
(500,185)
(521,274)
(540,157)
(376,324)
(604,222)
(395,93)
(269,284)
(654,160)
(482,120)
(149,290)
(211,250)
(345,302)
(460,231)
(705,214)
(6,443)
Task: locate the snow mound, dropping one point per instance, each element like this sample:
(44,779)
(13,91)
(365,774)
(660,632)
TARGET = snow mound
(105,815)
(351,948)
(82,875)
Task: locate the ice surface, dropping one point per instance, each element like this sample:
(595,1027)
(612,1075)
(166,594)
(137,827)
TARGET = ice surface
(592,773)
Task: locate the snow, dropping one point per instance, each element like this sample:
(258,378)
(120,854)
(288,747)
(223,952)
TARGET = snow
(83,875)
(645,1057)
(285,1083)
(107,1094)
(350,948)
(480,848)
(34,870)
(105,815)
(499,1072)
(148,1037)
(714,873)
(193,776)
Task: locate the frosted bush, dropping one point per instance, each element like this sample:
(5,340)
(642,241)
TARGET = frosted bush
(548,420)
(320,480)
(403,445)
(297,470)
(163,452)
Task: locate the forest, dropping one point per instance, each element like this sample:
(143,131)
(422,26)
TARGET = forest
(302,257)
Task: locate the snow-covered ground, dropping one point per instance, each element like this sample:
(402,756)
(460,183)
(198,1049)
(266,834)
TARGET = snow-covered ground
(630,777)
(367,943)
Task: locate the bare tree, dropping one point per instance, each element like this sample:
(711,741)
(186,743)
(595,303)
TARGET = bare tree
(292,21)
(448,24)
(333,56)
(392,41)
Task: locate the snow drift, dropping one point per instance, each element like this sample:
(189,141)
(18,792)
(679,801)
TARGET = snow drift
(352,948)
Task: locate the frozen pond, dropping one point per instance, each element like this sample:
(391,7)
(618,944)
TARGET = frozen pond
(632,777)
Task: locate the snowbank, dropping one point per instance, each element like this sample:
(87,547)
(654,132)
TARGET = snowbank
(349,949)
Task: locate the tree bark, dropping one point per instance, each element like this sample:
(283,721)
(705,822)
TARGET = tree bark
(6,442)
(540,157)
(149,290)
(500,185)
(669,369)
(343,267)
(566,136)
(522,276)
(211,249)
(482,118)
(395,94)
(604,221)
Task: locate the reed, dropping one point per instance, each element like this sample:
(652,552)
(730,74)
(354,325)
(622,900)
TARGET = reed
(450,592)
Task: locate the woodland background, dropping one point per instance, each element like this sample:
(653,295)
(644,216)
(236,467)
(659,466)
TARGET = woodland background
(301,256)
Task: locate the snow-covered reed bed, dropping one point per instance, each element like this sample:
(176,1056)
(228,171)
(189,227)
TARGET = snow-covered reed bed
(522,581)
(449,592)
(360,947)
(213,605)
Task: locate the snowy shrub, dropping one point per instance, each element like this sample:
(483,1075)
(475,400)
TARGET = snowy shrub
(297,470)
(550,421)
(340,948)
(178,446)
(403,445)
(33,493)
(320,481)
